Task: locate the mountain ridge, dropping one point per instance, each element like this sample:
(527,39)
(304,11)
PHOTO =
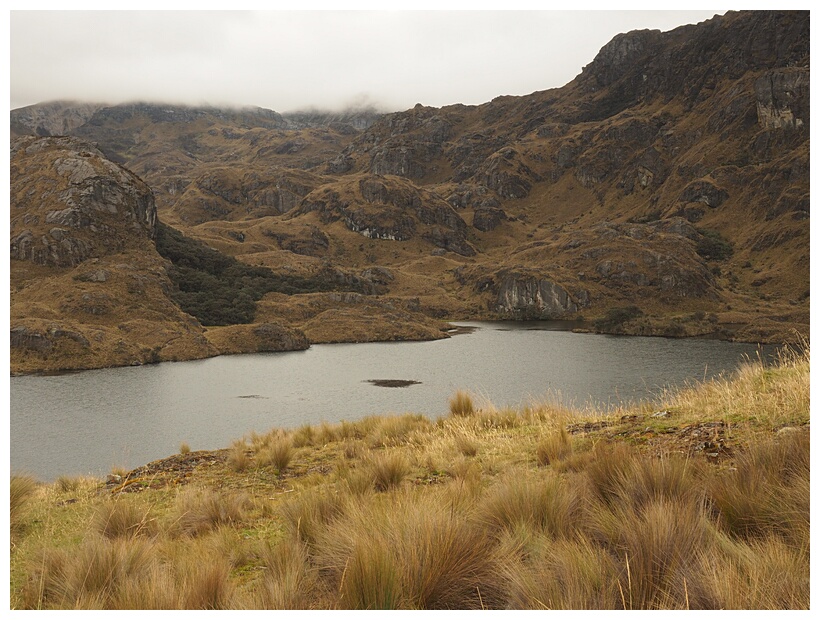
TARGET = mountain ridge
(671,175)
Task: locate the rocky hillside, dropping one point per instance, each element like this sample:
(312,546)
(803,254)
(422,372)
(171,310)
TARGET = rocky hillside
(95,280)
(665,190)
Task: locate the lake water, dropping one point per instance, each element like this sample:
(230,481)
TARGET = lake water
(88,422)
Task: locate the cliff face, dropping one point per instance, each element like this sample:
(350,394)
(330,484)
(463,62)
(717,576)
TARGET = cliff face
(670,176)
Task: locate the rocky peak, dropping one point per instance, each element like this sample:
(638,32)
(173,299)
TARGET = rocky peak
(622,54)
(69,203)
(170,113)
(55,118)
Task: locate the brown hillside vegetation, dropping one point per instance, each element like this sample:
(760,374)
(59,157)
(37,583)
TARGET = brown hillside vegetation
(670,178)
(703,504)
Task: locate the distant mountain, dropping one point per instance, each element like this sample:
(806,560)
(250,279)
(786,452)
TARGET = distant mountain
(664,191)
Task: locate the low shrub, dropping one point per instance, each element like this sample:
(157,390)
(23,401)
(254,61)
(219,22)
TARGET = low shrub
(712,246)
(615,317)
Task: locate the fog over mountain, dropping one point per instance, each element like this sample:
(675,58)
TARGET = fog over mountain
(291,60)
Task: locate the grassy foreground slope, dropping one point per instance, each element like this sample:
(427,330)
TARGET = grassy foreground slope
(703,503)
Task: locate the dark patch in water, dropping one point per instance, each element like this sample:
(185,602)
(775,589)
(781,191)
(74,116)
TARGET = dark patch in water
(251,396)
(393,383)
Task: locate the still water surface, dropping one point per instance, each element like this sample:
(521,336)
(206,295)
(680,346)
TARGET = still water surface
(88,422)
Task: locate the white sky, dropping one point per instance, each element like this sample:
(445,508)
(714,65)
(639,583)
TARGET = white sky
(287,60)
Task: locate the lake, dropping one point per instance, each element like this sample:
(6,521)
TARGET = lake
(87,422)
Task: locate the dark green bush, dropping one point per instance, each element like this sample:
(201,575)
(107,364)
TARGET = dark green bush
(712,246)
(220,290)
(616,316)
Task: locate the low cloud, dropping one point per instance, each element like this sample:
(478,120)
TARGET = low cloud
(288,60)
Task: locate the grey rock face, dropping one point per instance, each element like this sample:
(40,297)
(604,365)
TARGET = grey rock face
(272,337)
(69,203)
(704,191)
(24,338)
(783,99)
(529,296)
(507,174)
(395,210)
(486,219)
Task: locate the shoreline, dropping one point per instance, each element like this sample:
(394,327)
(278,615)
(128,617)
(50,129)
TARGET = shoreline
(725,333)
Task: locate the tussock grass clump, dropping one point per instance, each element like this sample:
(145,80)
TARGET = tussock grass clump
(465,470)
(238,459)
(87,577)
(207,585)
(397,430)
(543,504)
(303,436)
(388,470)
(461,404)
(564,574)
(278,453)
(155,588)
(68,484)
(197,511)
(498,418)
(370,579)
(21,488)
(467,446)
(358,481)
(768,491)
(308,514)
(609,466)
(618,477)
(289,581)
(410,554)
(184,448)
(553,447)
(353,448)
(657,546)
(115,519)
(764,573)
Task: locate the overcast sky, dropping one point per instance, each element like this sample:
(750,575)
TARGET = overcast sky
(288,60)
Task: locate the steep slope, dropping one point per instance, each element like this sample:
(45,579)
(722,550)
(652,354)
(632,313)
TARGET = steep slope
(87,286)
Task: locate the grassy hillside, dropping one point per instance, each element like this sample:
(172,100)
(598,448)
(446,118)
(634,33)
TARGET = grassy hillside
(701,504)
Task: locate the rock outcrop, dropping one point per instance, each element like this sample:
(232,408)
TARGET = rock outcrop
(69,203)
(783,99)
(524,295)
(392,209)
